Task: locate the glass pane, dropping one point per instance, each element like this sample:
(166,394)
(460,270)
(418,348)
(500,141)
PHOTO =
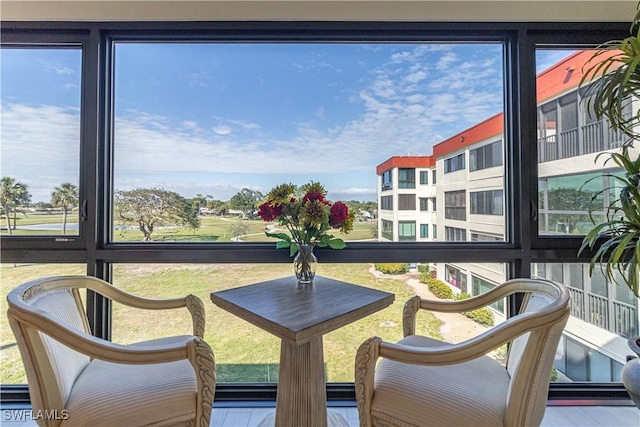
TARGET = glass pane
(198,125)
(40,150)
(13,275)
(603,316)
(246,353)
(569,141)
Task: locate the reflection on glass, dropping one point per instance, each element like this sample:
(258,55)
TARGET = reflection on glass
(571,180)
(603,316)
(210,128)
(13,275)
(40,150)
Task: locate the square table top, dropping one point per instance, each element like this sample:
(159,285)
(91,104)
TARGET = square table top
(300,314)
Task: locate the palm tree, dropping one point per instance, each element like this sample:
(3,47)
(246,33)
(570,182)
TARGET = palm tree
(12,195)
(65,197)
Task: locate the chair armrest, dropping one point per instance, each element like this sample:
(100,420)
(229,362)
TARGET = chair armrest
(191,302)
(101,349)
(479,345)
(510,287)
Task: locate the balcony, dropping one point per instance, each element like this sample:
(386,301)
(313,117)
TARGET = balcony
(615,316)
(591,138)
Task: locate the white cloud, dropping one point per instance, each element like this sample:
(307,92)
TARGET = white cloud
(222,130)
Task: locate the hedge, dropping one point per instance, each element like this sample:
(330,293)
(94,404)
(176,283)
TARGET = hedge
(392,267)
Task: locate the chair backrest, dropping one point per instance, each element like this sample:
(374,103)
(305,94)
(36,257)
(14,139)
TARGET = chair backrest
(51,367)
(532,354)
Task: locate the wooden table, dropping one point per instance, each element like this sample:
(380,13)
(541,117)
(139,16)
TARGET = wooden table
(299,317)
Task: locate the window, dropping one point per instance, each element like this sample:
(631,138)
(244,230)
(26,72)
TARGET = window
(481,286)
(433,204)
(424,204)
(455,205)
(184,112)
(387,180)
(406,231)
(456,277)
(424,231)
(386,203)
(480,237)
(455,163)
(486,202)
(486,156)
(40,150)
(407,202)
(406,178)
(424,177)
(453,234)
(387,229)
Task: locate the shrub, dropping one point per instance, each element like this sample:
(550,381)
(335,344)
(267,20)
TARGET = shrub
(439,288)
(423,268)
(392,267)
(482,315)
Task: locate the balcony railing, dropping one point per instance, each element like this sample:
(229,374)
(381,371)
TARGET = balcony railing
(614,316)
(591,138)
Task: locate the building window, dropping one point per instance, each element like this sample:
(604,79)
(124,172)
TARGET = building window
(481,286)
(424,177)
(454,234)
(456,277)
(386,203)
(455,205)
(424,204)
(485,157)
(455,163)
(407,202)
(406,178)
(434,231)
(480,237)
(433,204)
(424,231)
(486,202)
(387,180)
(407,231)
(433,176)
(387,229)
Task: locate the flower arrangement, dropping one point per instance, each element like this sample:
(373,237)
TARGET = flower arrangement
(308,218)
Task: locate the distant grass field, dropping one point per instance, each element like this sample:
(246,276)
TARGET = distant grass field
(243,351)
(212,229)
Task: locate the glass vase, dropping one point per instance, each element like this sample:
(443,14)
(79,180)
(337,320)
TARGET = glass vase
(304,264)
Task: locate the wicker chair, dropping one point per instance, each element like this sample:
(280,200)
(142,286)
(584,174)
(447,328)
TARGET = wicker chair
(421,381)
(78,379)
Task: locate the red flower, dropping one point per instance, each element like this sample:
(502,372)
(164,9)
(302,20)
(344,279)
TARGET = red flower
(313,195)
(338,214)
(268,212)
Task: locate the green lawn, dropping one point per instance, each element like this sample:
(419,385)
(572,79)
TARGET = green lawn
(243,351)
(212,229)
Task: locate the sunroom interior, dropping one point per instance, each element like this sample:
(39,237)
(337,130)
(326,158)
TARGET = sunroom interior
(211,103)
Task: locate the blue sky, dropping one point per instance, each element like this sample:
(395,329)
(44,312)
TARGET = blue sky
(215,118)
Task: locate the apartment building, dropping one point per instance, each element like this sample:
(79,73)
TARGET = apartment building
(467,193)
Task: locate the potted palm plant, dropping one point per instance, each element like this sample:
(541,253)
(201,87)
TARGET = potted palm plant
(612,78)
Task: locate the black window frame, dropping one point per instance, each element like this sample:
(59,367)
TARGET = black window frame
(522,245)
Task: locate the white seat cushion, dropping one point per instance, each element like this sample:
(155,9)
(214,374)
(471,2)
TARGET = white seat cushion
(110,394)
(470,393)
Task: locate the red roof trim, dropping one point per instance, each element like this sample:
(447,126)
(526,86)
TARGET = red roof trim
(406,162)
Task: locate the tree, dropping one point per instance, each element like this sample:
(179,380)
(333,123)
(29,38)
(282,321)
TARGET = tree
(65,197)
(246,201)
(237,229)
(149,208)
(12,195)
(218,207)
